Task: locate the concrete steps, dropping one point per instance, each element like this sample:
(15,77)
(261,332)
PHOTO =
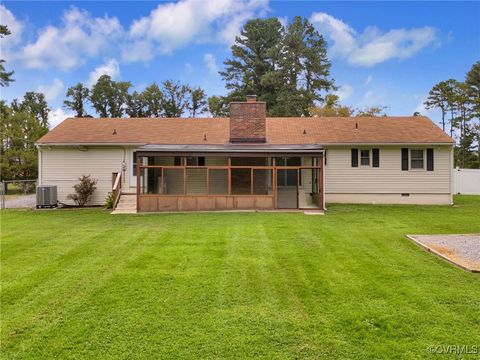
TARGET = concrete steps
(126,205)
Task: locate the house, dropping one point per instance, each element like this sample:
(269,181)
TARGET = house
(250,161)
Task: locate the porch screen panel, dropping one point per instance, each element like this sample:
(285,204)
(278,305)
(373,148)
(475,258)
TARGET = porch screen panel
(196,181)
(218,181)
(151,181)
(173,181)
(241,181)
(262,182)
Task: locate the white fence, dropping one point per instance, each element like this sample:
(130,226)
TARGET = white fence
(466,181)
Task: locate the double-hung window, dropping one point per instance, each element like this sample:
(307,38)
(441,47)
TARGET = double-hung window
(416,159)
(365,157)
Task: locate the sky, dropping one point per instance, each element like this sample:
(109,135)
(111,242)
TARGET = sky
(382,53)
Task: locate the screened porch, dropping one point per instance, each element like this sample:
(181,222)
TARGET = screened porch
(168,182)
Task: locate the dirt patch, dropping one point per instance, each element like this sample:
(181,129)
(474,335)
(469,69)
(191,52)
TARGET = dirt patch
(461,250)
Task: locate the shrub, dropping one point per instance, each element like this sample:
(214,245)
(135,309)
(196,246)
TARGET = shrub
(83,190)
(109,201)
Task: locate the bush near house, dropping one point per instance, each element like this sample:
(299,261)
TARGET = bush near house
(83,190)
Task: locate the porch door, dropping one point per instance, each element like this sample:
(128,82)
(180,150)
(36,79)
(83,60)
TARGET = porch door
(287,188)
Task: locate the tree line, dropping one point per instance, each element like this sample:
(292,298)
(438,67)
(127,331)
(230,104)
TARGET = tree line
(112,99)
(459,105)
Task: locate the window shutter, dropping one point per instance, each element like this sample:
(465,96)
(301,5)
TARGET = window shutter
(354,157)
(429,159)
(404,159)
(376,157)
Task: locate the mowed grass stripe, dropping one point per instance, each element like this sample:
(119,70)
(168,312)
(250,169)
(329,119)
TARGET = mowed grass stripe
(85,284)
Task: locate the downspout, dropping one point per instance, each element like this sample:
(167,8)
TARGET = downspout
(39,180)
(451,175)
(323,180)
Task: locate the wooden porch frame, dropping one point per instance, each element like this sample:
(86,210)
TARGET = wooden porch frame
(273,168)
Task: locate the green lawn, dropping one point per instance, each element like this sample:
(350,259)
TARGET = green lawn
(87,284)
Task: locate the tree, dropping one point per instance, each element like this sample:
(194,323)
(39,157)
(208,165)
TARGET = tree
(136,105)
(33,103)
(305,66)
(332,108)
(217,106)
(472,79)
(437,98)
(109,98)
(372,111)
(174,99)
(460,102)
(198,102)
(287,68)
(20,129)
(152,97)
(79,95)
(5,76)
(255,57)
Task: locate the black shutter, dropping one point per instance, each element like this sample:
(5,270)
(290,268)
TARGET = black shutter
(376,157)
(429,159)
(354,157)
(404,159)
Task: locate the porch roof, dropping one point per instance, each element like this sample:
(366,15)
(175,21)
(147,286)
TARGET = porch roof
(234,148)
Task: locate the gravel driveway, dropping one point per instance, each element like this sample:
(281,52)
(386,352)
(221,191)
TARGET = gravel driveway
(21,201)
(462,250)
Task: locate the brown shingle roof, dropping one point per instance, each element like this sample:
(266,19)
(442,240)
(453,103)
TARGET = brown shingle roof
(378,130)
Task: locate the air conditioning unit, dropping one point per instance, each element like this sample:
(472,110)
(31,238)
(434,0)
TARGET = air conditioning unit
(46,196)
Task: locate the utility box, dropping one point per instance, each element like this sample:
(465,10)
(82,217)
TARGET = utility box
(46,196)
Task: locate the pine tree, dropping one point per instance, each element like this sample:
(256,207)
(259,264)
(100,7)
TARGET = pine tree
(5,76)
(287,68)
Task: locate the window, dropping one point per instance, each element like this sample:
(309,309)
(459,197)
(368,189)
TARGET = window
(416,159)
(196,161)
(365,157)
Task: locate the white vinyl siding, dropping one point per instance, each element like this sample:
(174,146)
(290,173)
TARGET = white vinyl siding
(63,166)
(341,178)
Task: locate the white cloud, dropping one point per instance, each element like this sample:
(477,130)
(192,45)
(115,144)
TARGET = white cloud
(67,46)
(110,68)
(56,116)
(211,63)
(344,92)
(174,25)
(79,36)
(368,80)
(342,35)
(52,90)
(372,46)
(15,27)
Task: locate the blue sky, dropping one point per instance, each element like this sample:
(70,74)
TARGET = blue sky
(382,53)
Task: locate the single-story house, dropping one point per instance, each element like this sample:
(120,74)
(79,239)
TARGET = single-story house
(250,161)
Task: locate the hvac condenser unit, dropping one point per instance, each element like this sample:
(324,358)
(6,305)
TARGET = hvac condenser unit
(46,196)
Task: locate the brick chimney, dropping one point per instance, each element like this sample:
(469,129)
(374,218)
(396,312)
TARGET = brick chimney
(247,121)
